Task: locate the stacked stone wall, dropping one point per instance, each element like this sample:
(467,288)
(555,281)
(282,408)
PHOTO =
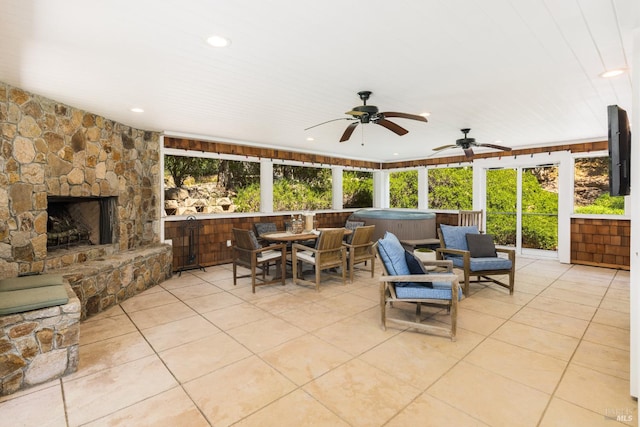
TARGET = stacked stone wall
(52,149)
(39,345)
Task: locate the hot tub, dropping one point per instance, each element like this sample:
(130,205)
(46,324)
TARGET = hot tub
(406,224)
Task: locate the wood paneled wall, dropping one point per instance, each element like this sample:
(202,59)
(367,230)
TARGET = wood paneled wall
(601,242)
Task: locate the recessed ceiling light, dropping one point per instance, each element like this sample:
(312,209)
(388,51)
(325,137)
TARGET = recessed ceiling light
(426,114)
(395,154)
(612,73)
(310,139)
(497,141)
(218,41)
(137,110)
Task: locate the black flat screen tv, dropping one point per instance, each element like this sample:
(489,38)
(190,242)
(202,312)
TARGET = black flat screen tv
(619,151)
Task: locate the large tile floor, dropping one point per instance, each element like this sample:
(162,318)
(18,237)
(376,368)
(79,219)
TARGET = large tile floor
(197,351)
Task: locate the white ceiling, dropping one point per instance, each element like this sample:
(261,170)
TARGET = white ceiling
(525,72)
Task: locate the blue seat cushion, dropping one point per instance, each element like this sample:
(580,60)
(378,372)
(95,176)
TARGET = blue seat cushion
(482,264)
(439,290)
(392,254)
(455,237)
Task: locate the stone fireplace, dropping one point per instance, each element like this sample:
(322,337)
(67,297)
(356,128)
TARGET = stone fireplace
(74,221)
(100,178)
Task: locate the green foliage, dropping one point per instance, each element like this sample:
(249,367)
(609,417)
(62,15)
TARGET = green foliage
(539,210)
(357,189)
(450,188)
(403,189)
(181,167)
(292,195)
(604,204)
(248,199)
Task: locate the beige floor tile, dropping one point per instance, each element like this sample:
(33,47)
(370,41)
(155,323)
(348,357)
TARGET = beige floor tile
(280,302)
(112,311)
(235,315)
(410,358)
(354,335)
(169,409)
(615,304)
(44,407)
(249,385)
(612,318)
(295,409)
(243,290)
(608,335)
(146,300)
(553,322)
(475,321)
(505,402)
(305,358)
(592,288)
(178,332)
(213,302)
(519,364)
(565,308)
(489,306)
(155,316)
(198,358)
(227,284)
(195,291)
(265,334)
(497,293)
(562,414)
(361,394)
(312,316)
(348,303)
(522,286)
(182,280)
(536,339)
(603,358)
(464,343)
(621,294)
(106,328)
(432,412)
(582,298)
(596,391)
(94,396)
(111,352)
(366,289)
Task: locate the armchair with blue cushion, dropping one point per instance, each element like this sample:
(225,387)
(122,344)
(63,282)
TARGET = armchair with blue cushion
(477,255)
(406,279)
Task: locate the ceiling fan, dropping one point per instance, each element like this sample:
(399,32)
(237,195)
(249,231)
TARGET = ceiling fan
(466,143)
(370,114)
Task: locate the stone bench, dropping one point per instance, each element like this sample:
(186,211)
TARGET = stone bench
(103,282)
(38,345)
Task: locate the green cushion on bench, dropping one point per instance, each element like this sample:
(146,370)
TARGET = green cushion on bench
(32,299)
(27,282)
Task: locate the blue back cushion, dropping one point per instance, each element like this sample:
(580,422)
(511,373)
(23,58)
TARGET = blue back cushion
(392,254)
(455,237)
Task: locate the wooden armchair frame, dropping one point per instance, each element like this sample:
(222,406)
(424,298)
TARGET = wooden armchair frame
(329,253)
(360,249)
(388,297)
(248,253)
(482,276)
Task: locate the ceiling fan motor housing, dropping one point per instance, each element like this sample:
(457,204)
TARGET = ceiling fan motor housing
(369,110)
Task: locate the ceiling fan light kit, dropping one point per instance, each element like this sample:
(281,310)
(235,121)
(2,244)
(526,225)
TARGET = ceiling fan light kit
(370,114)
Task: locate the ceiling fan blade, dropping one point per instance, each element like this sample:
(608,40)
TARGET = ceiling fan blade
(356,113)
(398,130)
(444,147)
(468,152)
(405,116)
(328,121)
(348,131)
(497,147)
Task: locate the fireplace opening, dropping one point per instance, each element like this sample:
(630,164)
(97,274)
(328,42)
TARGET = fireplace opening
(74,221)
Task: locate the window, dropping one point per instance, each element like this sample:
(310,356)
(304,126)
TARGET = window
(205,185)
(301,188)
(591,188)
(403,189)
(357,189)
(450,188)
